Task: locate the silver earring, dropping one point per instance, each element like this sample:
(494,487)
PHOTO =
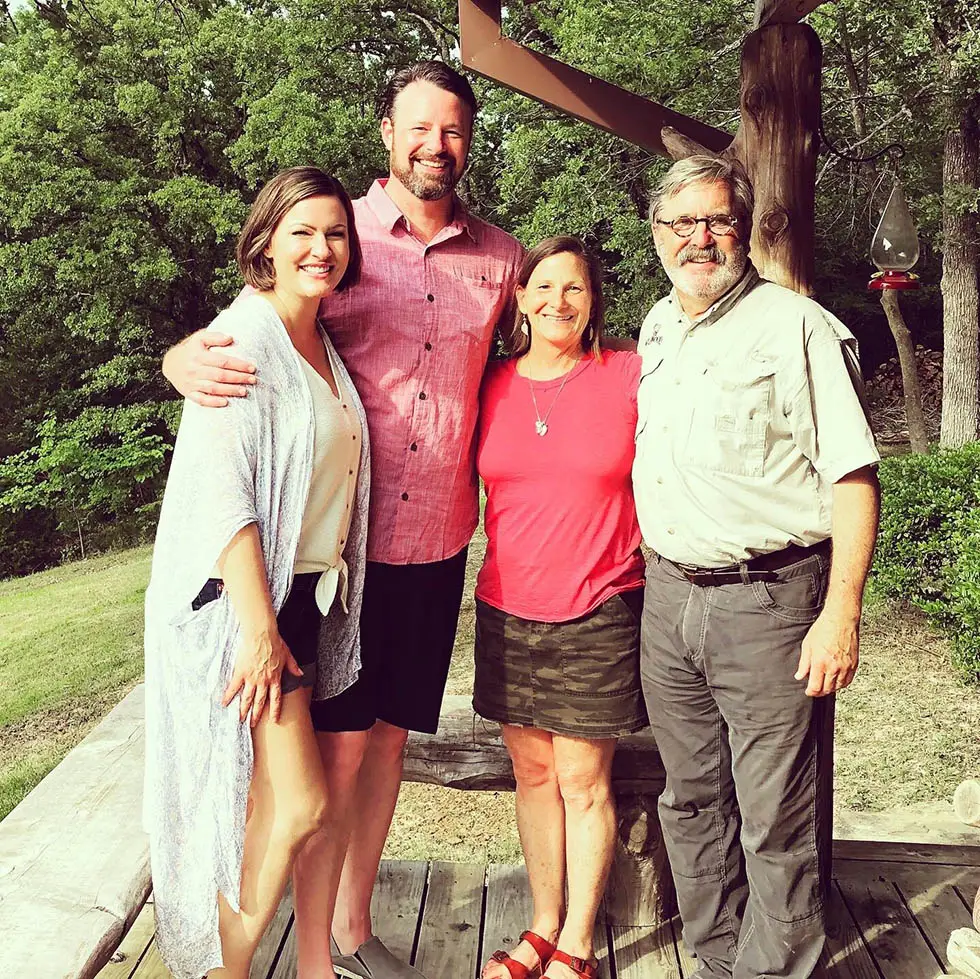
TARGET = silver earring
(525,326)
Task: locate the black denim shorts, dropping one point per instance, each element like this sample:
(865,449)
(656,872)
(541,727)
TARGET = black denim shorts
(298,620)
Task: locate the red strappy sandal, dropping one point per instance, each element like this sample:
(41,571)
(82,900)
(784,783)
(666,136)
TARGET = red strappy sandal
(518,970)
(581,967)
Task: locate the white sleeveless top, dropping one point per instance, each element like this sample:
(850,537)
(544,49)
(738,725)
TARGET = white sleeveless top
(333,486)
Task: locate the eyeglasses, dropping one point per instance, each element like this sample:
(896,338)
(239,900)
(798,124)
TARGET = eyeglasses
(717,224)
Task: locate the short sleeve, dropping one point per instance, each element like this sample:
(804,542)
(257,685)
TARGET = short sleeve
(827,419)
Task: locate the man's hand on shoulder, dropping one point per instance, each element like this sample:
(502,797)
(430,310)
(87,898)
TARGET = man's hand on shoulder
(829,654)
(201,369)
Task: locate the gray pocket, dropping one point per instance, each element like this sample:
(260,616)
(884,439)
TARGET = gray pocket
(795,599)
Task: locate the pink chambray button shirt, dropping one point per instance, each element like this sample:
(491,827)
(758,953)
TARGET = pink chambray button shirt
(415,335)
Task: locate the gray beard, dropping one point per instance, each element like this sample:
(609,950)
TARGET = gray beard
(731,269)
(428,187)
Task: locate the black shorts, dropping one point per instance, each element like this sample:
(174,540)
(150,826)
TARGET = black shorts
(298,621)
(408,627)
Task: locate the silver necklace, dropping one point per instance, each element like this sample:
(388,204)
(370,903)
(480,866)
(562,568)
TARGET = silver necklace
(541,424)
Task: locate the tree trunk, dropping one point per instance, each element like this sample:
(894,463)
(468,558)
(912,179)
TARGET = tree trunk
(961,343)
(777,142)
(914,416)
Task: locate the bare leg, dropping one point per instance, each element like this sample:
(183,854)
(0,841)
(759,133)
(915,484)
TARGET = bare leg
(541,824)
(584,771)
(316,873)
(374,801)
(288,803)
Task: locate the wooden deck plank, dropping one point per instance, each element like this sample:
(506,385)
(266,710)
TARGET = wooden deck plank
(285,962)
(689,964)
(268,951)
(845,955)
(600,947)
(132,948)
(645,953)
(397,903)
(151,965)
(887,850)
(508,908)
(450,934)
(938,910)
(894,940)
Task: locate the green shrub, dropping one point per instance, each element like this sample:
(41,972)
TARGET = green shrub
(928,550)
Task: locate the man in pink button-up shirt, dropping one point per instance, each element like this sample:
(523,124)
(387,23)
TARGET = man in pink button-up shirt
(415,335)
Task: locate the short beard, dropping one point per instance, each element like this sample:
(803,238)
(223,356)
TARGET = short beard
(730,269)
(427,187)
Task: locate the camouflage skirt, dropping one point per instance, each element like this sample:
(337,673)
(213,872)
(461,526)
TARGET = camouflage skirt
(579,678)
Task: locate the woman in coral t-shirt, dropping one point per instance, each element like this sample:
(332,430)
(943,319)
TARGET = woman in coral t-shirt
(560,593)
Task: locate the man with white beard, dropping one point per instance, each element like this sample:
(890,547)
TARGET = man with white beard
(756,488)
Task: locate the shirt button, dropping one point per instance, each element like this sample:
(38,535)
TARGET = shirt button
(404,496)
(422,397)
(670,530)
(660,480)
(430,297)
(414,447)
(350,472)
(428,346)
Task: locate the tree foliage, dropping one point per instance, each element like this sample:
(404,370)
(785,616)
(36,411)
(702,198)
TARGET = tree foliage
(134,134)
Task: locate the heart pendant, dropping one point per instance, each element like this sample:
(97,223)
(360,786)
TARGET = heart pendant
(540,427)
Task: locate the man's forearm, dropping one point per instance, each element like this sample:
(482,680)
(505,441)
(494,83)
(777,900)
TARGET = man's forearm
(854,526)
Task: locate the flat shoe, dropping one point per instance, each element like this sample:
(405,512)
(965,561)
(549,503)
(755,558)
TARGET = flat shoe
(581,967)
(373,960)
(518,970)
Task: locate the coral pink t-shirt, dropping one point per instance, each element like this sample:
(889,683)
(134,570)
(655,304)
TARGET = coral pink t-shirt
(562,534)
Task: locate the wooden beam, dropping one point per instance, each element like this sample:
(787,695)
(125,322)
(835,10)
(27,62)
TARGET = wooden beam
(486,51)
(74,860)
(469,753)
(783,11)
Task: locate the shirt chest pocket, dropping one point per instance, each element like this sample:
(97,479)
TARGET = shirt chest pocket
(731,421)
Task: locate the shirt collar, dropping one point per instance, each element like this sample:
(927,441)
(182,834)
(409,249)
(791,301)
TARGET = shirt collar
(388,214)
(750,279)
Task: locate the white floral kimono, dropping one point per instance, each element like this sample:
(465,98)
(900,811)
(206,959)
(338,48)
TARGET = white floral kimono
(248,462)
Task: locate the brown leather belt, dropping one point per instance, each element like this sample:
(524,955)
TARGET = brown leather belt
(761,568)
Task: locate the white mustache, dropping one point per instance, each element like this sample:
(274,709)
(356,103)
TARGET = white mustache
(694,252)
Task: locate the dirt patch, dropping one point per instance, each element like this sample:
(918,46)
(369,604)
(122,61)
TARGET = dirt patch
(62,727)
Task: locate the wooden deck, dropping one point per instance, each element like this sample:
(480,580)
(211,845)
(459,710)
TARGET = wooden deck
(894,908)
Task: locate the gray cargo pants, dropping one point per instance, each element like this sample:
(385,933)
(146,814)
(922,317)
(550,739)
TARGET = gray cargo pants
(749,849)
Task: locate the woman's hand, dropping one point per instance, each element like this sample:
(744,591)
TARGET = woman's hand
(257,675)
(201,370)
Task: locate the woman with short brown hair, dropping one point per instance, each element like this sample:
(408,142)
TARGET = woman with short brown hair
(254,598)
(560,593)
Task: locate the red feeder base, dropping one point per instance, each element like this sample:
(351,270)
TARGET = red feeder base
(893,280)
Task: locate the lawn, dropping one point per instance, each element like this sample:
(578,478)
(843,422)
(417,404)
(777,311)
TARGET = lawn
(72,646)
(907,731)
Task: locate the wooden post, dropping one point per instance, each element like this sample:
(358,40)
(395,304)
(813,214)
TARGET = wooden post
(640,889)
(777,142)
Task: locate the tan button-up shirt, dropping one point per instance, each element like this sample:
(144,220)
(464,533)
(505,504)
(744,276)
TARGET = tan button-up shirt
(747,417)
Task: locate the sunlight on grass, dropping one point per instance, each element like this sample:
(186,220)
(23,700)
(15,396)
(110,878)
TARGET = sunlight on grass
(19,778)
(71,632)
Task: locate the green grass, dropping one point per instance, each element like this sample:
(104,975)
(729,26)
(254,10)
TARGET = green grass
(72,645)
